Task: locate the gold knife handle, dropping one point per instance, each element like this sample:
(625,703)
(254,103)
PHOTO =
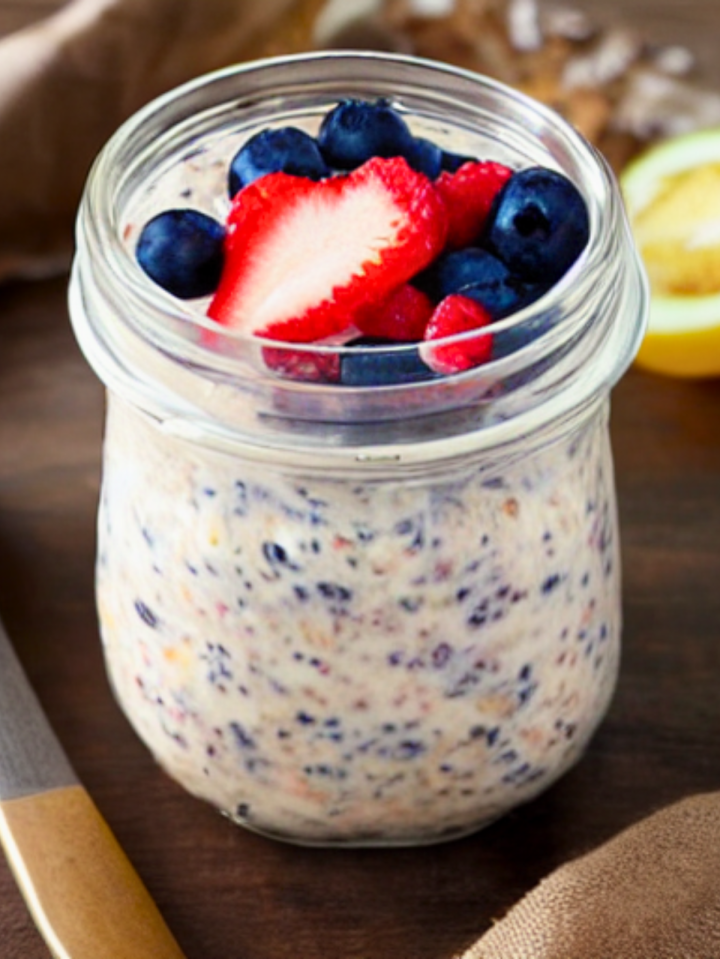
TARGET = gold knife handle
(87,900)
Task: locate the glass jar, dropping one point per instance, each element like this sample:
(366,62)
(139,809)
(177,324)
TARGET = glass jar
(354,615)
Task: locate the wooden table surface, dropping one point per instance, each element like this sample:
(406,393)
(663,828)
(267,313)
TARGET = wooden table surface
(227,893)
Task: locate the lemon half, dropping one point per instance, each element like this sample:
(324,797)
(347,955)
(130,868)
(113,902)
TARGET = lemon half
(672,194)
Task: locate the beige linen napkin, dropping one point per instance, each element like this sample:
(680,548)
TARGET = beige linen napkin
(68,80)
(653,892)
(66,83)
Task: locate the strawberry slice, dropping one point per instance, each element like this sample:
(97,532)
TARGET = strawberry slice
(403,316)
(292,364)
(457,314)
(468,195)
(303,257)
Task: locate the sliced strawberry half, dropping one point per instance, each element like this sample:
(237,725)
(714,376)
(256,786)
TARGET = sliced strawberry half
(453,315)
(403,316)
(303,257)
(468,195)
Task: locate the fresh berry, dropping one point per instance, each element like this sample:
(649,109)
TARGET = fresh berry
(378,361)
(182,251)
(478,274)
(539,225)
(311,366)
(425,157)
(468,195)
(303,258)
(285,150)
(403,316)
(357,130)
(514,338)
(457,314)
(453,161)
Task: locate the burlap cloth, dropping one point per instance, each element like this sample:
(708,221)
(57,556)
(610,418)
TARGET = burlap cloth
(66,82)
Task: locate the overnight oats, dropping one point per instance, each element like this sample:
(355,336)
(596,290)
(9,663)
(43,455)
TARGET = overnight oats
(358,565)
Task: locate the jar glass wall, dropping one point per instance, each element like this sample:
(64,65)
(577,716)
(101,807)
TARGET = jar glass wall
(355,615)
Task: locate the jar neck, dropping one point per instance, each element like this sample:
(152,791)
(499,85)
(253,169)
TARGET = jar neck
(156,352)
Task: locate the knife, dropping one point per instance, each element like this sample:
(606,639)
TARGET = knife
(84,895)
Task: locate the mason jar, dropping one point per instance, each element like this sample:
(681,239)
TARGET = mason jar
(366,615)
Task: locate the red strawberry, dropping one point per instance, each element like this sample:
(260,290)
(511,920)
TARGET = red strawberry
(468,195)
(314,367)
(457,314)
(403,316)
(303,257)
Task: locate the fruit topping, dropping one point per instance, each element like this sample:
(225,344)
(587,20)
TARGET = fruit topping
(457,314)
(518,336)
(304,257)
(368,229)
(182,251)
(453,161)
(357,130)
(312,366)
(539,225)
(425,157)
(402,317)
(380,361)
(285,150)
(478,274)
(468,195)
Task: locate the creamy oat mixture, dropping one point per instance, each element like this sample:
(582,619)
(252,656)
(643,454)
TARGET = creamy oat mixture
(359,660)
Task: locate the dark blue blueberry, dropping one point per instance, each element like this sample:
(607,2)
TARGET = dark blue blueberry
(408,749)
(356,130)
(481,276)
(182,251)
(539,225)
(242,737)
(453,161)
(425,157)
(550,583)
(334,591)
(515,338)
(286,150)
(274,553)
(378,362)
(146,614)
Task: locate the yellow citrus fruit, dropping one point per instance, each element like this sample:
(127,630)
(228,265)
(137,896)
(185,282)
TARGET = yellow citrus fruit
(672,194)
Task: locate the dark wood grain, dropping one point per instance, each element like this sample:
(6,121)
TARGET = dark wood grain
(227,893)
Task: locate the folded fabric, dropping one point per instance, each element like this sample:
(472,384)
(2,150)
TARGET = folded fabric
(69,80)
(652,892)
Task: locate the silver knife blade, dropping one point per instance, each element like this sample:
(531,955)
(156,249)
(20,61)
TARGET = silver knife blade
(31,757)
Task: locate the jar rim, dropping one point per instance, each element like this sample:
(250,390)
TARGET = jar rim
(170,327)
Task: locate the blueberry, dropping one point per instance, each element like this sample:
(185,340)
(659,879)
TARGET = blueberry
(376,365)
(539,224)
(478,274)
(425,157)
(356,130)
(515,338)
(182,251)
(453,161)
(286,150)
